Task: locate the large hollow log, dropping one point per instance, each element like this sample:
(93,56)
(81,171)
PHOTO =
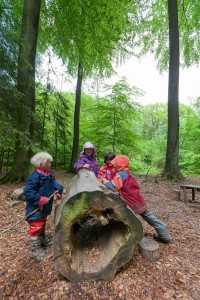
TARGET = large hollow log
(95,231)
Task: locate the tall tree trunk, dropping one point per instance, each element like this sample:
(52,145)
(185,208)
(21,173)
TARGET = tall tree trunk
(7,161)
(56,146)
(76,120)
(26,89)
(2,151)
(171,169)
(114,127)
(56,136)
(45,101)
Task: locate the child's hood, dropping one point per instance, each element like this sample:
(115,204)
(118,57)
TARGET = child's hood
(47,172)
(88,145)
(121,163)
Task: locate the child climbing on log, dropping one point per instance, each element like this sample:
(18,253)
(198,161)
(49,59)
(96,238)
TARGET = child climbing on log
(124,183)
(39,190)
(87,159)
(106,171)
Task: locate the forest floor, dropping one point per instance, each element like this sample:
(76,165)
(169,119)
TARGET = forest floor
(176,275)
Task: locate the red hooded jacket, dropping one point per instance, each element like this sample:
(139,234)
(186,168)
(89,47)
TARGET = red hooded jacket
(126,185)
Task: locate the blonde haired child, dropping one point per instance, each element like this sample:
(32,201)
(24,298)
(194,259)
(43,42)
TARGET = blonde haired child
(40,185)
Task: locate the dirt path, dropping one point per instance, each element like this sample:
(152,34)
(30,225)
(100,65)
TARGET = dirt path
(176,275)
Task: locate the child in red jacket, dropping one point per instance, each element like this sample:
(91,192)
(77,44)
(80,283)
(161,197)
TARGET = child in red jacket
(124,183)
(106,171)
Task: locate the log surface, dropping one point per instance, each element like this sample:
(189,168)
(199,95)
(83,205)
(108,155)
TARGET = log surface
(95,231)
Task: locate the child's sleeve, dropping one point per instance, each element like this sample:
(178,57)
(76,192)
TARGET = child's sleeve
(80,163)
(115,184)
(94,167)
(31,190)
(111,186)
(58,186)
(102,172)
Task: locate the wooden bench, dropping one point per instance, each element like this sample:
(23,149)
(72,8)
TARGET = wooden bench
(186,187)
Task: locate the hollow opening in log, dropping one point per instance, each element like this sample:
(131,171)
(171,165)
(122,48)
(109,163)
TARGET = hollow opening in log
(96,239)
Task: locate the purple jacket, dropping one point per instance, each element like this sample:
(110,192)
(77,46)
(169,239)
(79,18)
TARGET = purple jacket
(85,159)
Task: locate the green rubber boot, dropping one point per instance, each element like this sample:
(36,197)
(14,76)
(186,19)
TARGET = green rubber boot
(36,251)
(45,241)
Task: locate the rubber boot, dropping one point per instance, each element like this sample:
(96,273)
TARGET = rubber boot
(45,241)
(36,251)
(159,238)
(162,235)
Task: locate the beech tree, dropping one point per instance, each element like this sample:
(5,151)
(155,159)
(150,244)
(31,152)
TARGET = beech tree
(153,22)
(77,108)
(26,92)
(118,110)
(10,14)
(86,35)
(171,168)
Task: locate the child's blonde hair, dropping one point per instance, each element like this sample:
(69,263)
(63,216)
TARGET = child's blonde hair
(41,158)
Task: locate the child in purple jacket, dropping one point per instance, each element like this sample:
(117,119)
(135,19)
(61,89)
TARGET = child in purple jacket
(87,159)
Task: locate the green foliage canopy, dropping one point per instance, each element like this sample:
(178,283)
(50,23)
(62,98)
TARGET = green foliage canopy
(86,32)
(150,31)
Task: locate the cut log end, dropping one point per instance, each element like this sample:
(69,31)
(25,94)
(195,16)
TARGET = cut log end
(18,194)
(95,234)
(96,239)
(149,249)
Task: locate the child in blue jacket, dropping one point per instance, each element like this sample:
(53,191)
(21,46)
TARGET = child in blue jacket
(40,186)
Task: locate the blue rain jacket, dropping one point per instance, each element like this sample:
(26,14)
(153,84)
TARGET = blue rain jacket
(39,185)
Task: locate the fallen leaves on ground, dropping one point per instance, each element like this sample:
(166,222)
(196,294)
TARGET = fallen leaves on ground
(176,275)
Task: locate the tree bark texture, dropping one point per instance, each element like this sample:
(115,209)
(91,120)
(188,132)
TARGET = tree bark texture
(26,91)
(76,120)
(172,155)
(95,231)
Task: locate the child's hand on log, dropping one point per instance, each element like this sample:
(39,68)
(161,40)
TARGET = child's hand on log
(104,181)
(86,166)
(100,178)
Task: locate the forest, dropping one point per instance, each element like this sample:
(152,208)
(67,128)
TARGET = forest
(90,40)
(161,140)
